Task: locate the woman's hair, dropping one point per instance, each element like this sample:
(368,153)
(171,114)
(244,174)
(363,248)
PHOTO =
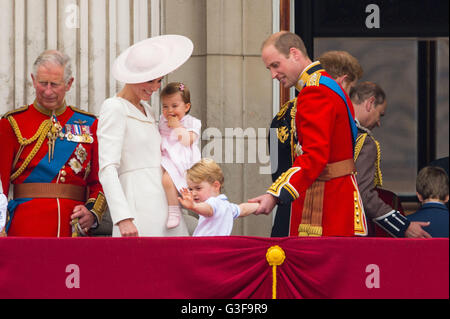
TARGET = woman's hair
(177,87)
(206,170)
(432,182)
(364,90)
(57,58)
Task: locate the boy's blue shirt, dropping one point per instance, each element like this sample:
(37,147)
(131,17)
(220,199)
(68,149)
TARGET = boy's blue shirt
(437,214)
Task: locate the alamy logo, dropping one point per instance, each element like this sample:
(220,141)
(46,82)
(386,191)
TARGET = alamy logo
(373,19)
(72,18)
(373,279)
(73,280)
(235,143)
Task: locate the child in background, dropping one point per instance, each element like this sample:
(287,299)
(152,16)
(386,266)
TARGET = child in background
(205,180)
(180,149)
(3,207)
(432,191)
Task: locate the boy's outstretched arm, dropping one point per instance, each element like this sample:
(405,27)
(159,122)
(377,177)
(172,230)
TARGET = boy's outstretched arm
(187,201)
(248,208)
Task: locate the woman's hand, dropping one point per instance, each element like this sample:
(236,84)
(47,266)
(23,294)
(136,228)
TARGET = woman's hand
(127,228)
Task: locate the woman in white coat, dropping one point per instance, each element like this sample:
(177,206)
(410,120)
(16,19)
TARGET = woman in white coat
(129,141)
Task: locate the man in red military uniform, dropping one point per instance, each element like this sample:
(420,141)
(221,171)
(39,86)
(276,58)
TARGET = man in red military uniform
(321,183)
(50,156)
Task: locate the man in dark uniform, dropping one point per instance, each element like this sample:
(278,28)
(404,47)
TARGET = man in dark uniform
(50,156)
(283,130)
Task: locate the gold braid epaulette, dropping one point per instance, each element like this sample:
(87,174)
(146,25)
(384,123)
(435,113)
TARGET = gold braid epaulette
(314,79)
(40,136)
(19,110)
(75,109)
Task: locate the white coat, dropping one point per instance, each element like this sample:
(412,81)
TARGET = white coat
(130,168)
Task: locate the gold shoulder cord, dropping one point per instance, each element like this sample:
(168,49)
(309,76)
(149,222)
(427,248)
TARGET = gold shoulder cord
(359,144)
(40,136)
(293,129)
(378,179)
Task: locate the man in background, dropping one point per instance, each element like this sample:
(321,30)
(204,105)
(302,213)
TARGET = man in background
(369,102)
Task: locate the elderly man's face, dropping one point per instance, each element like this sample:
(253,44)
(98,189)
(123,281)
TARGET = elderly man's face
(49,85)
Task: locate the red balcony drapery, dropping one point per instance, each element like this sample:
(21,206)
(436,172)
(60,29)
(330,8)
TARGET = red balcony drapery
(223,267)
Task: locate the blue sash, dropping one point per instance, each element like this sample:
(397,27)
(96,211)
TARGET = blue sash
(45,172)
(332,85)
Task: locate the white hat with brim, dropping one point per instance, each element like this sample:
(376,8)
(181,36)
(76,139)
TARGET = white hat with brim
(152,58)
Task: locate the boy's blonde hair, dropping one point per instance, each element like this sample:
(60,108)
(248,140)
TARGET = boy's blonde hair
(205,170)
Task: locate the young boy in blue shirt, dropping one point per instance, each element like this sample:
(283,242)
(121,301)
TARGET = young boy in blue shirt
(433,192)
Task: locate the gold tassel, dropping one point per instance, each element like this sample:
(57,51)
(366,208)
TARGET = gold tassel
(275,257)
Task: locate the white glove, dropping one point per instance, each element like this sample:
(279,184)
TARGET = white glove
(3,207)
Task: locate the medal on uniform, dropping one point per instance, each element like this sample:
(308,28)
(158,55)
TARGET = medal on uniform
(79,132)
(52,135)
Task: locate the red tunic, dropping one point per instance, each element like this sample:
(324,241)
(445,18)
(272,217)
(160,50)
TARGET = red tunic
(75,165)
(324,134)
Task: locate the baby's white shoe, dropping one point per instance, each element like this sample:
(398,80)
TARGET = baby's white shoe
(173,219)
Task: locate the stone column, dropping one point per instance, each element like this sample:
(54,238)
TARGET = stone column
(231,90)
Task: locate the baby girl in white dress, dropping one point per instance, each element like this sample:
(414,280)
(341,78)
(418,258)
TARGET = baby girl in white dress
(180,136)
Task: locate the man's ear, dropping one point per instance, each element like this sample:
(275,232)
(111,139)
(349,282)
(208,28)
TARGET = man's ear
(370,103)
(69,84)
(295,53)
(34,80)
(341,79)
